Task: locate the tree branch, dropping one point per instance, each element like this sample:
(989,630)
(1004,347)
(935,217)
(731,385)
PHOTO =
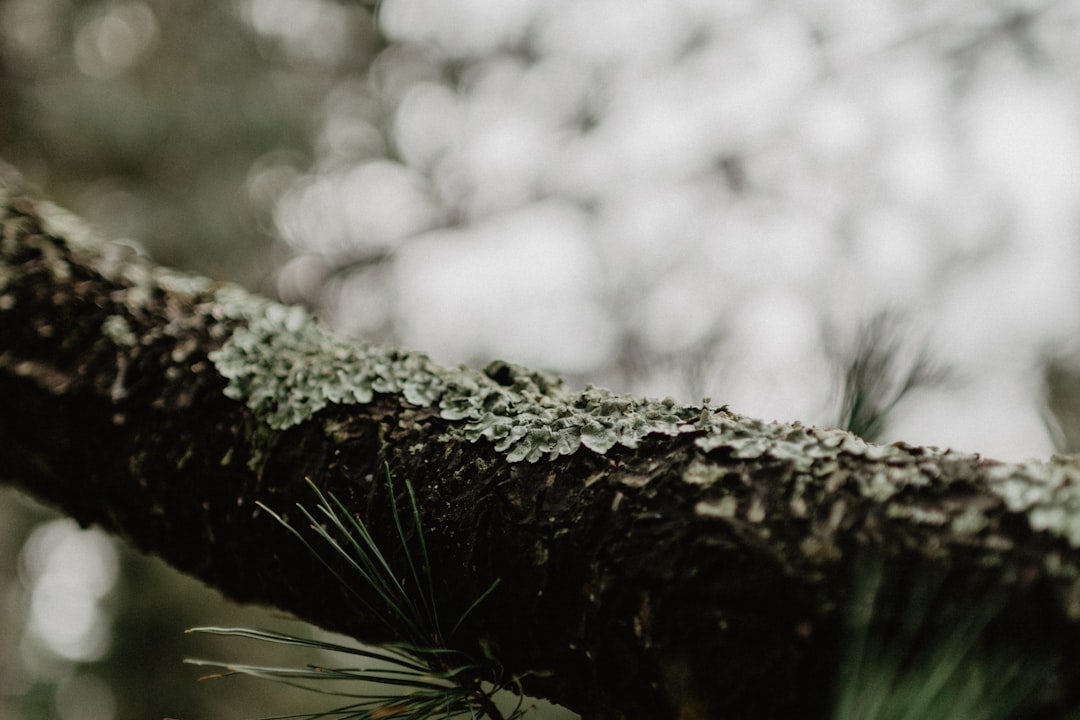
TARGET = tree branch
(655,560)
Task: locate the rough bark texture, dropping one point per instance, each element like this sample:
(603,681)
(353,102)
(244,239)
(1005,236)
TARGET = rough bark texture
(655,561)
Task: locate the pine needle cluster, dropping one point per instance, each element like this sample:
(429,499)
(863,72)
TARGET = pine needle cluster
(416,678)
(927,666)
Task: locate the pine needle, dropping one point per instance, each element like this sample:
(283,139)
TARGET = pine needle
(416,678)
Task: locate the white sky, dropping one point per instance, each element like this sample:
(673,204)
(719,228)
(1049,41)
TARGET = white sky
(675,169)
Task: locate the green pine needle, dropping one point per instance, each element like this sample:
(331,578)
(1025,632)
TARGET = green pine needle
(415,679)
(926,670)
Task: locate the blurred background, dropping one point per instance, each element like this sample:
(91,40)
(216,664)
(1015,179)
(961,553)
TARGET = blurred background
(845,212)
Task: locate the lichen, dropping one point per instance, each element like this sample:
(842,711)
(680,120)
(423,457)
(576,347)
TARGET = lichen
(1048,493)
(286,367)
(528,425)
(722,508)
(702,474)
(116,328)
(971,521)
(59,223)
(882,484)
(182,283)
(916,514)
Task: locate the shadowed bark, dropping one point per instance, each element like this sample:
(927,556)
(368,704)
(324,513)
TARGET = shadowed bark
(655,560)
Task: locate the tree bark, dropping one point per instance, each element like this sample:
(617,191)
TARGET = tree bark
(654,560)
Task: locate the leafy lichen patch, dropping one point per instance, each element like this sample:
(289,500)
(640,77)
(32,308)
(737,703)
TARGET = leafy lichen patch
(1048,493)
(286,367)
(60,223)
(702,474)
(722,508)
(116,328)
(882,484)
(920,515)
(529,424)
(970,521)
(182,283)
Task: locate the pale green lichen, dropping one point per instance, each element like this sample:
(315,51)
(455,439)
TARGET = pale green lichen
(276,373)
(528,424)
(805,448)
(723,508)
(971,521)
(916,514)
(59,223)
(880,486)
(286,367)
(1048,493)
(182,283)
(756,511)
(116,328)
(702,474)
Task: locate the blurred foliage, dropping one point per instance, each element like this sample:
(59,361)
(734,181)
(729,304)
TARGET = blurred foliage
(913,651)
(1061,400)
(172,123)
(141,673)
(878,370)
